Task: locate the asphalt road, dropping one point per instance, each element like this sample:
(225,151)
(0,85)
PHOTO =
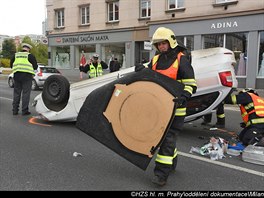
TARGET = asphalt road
(37,155)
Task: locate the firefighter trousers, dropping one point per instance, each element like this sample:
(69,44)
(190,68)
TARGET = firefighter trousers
(167,151)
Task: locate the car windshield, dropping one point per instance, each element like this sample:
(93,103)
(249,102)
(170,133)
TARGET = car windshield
(49,70)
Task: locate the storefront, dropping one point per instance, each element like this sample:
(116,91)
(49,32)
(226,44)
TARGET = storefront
(66,51)
(244,35)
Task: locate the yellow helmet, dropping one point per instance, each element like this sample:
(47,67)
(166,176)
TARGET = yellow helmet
(162,34)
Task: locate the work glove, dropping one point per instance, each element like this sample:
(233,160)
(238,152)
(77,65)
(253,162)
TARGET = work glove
(139,67)
(180,101)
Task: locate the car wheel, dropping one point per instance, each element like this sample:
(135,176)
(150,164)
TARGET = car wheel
(34,85)
(56,92)
(11,82)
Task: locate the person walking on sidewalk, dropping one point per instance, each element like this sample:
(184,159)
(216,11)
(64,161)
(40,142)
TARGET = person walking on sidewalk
(23,65)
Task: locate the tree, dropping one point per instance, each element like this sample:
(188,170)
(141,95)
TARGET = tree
(39,50)
(9,48)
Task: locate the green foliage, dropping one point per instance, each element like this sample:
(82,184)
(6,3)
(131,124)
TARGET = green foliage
(9,48)
(5,62)
(39,50)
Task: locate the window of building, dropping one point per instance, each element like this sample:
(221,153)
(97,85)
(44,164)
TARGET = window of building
(85,14)
(59,18)
(219,3)
(145,8)
(114,50)
(213,40)
(113,11)
(85,50)
(237,42)
(223,1)
(187,41)
(61,57)
(261,55)
(174,4)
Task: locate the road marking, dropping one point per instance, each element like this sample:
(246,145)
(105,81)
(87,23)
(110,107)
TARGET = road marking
(6,98)
(261,174)
(33,121)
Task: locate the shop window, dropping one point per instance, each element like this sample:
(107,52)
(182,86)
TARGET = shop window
(145,8)
(114,50)
(187,41)
(61,57)
(261,55)
(85,52)
(213,40)
(113,11)
(237,42)
(59,18)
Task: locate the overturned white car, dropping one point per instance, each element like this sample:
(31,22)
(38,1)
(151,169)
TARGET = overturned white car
(214,73)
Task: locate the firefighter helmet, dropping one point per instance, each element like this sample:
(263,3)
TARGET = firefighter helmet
(162,34)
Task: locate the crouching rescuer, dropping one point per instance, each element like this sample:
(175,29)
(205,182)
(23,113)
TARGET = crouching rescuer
(252,113)
(172,62)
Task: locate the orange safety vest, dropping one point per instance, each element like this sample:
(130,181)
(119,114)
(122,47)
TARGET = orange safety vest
(257,107)
(172,71)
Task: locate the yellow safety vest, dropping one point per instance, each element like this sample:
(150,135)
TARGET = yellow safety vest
(21,63)
(94,72)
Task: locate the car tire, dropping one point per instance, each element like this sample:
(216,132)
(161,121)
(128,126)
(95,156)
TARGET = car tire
(34,85)
(11,82)
(56,92)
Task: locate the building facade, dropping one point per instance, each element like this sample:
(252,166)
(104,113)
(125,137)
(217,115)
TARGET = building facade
(123,29)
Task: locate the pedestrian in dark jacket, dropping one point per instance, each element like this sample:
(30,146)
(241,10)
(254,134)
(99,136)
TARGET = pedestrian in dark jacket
(114,65)
(23,65)
(164,41)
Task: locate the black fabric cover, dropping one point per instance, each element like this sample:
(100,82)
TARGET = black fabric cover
(91,120)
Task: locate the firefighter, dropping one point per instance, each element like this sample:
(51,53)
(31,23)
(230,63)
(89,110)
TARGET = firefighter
(252,113)
(23,65)
(95,67)
(172,62)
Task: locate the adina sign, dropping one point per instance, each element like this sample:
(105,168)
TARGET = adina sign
(224,25)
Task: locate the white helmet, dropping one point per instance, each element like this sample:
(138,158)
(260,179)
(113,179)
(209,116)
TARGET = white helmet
(96,55)
(162,34)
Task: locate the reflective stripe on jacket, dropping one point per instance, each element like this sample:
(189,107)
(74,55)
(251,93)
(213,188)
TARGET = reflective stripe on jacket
(95,71)
(255,107)
(21,63)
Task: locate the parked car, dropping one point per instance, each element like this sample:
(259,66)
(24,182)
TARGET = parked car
(214,73)
(42,73)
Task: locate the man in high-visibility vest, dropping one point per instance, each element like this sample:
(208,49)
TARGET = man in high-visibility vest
(172,62)
(252,113)
(23,65)
(95,67)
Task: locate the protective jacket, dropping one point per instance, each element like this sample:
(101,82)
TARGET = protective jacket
(22,64)
(175,65)
(95,71)
(251,107)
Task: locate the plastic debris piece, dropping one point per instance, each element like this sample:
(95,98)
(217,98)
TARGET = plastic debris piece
(213,129)
(75,154)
